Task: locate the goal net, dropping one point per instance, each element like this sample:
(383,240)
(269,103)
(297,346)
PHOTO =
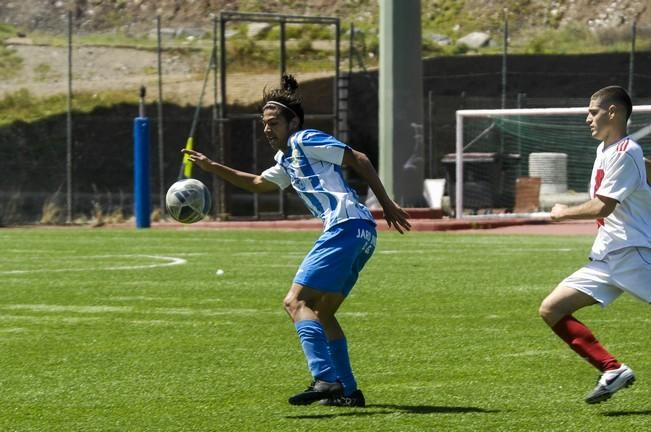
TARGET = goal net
(519,162)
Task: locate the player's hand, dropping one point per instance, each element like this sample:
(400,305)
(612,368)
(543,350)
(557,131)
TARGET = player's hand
(558,212)
(199,159)
(396,217)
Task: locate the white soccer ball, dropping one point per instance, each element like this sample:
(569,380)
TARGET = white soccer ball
(188,201)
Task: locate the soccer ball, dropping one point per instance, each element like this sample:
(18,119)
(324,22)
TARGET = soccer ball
(188,201)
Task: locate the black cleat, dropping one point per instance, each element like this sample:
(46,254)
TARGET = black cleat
(318,390)
(355,399)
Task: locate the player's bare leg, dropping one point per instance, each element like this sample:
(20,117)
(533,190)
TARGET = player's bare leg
(561,302)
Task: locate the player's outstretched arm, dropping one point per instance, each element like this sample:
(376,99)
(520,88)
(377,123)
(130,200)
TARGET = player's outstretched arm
(598,207)
(243,180)
(393,214)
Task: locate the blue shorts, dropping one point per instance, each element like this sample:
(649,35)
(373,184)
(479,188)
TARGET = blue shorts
(334,262)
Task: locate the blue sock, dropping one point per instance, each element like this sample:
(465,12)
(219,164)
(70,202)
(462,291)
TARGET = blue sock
(315,346)
(341,360)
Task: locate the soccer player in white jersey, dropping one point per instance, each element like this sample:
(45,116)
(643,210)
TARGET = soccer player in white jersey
(620,260)
(311,161)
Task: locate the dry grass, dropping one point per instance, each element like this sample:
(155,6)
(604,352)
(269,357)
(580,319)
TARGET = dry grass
(52,213)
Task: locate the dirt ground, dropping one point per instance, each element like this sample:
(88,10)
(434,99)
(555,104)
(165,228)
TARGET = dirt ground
(45,73)
(556,229)
(44,70)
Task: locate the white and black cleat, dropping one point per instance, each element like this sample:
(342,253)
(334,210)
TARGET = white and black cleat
(609,383)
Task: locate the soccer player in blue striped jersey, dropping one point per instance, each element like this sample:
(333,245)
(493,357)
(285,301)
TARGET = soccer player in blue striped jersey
(311,162)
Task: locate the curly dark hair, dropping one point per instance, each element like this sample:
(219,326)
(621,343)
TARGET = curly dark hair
(288,102)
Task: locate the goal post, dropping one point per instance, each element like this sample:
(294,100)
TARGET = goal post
(495,148)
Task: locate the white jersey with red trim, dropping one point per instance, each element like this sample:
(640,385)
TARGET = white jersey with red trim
(619,173)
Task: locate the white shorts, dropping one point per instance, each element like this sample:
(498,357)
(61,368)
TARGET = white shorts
(626,270)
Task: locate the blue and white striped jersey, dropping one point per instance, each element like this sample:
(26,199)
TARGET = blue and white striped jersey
(312,165)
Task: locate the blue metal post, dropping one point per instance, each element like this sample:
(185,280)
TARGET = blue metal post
(141,190)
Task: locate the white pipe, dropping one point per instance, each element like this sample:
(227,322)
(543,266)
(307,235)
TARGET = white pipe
(534,111)
(538,216)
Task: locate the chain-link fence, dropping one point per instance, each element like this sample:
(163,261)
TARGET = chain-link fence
(44,152)
(66,138)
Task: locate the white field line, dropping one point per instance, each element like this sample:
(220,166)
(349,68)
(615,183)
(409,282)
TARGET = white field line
(142,298)
(100,309)
(255,253)
(68,308)
(167,261)
(13,330)
(451,238)
(465,251)
(173,311)
(49,252)
(77,320)
(529,353)
(45,318)
(158,299)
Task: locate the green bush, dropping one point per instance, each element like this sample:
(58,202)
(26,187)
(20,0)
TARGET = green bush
(568,40)
(6,31)
(43,72)
(245,54)
(10,63)
(305,46)
(24,106)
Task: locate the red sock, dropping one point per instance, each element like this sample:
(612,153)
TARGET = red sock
(583,342)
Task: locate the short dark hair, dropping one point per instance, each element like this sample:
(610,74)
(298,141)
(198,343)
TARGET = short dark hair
(286,99)
(615,95)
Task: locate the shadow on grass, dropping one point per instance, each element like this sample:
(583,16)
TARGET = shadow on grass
(627,413)
(429,409)
(380,409)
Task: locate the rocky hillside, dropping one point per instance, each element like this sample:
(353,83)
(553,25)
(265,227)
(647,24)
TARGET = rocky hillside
(536,27)
(441,16)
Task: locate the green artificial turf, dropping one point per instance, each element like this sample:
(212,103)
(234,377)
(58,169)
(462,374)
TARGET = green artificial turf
(110,330)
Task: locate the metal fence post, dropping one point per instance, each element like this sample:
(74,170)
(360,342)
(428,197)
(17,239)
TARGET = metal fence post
(69,126)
